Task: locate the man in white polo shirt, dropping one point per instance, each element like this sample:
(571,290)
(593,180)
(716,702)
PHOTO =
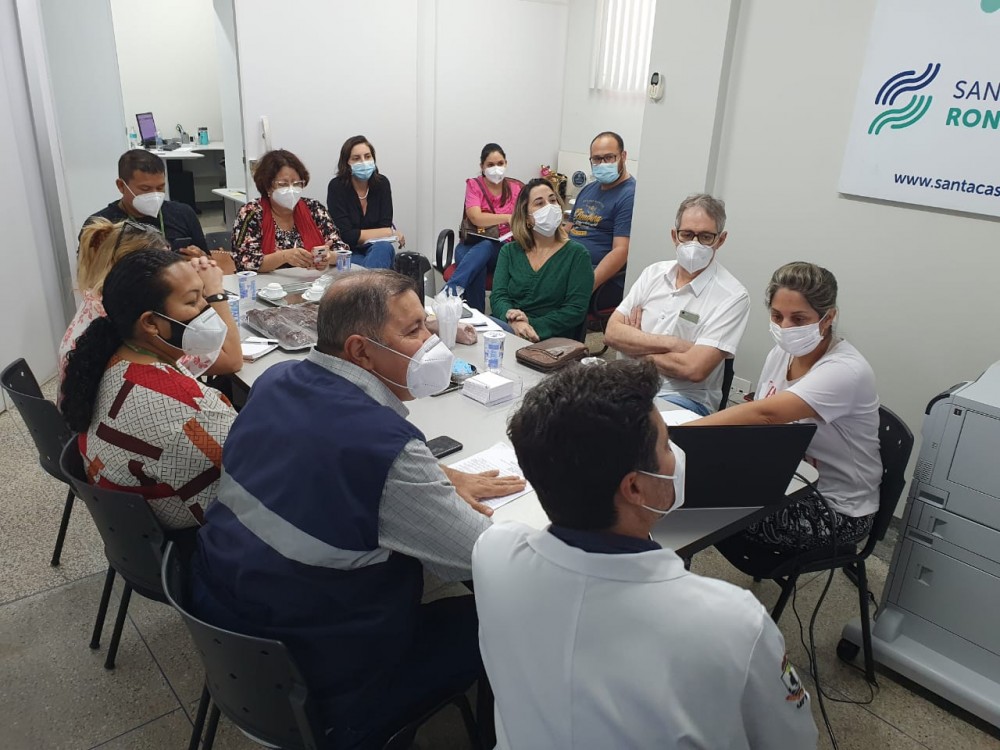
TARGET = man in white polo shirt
(688,315)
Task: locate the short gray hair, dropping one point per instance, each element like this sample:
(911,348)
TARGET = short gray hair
(358,304)
(714,207)
(815,283)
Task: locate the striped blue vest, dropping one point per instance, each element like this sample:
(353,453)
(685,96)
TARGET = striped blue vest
(290,549)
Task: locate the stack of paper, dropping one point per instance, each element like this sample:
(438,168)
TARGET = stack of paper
(500,457)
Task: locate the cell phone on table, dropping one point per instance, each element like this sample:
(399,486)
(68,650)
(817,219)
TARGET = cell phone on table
(179,243)
(450,389)
(443,446)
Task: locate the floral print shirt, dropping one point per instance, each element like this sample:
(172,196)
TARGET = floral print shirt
(247,234)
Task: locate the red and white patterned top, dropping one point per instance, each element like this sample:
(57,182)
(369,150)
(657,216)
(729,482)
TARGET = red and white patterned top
(90,309)
(158,432)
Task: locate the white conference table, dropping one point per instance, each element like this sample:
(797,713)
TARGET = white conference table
(477,427)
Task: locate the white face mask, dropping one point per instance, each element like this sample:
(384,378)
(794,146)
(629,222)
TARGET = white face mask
(148,204)
(798,341)
(494,174)
(286,197)
(547,219)
(201,336)
(693,256)
(680,464)
(430,368)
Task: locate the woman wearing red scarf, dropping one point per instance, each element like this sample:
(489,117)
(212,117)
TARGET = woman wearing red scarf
(281,228)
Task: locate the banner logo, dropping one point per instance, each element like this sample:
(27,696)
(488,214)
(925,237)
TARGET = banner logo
(905,82)
(990,6)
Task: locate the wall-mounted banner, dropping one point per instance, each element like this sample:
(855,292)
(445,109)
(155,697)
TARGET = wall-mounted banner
(926,125)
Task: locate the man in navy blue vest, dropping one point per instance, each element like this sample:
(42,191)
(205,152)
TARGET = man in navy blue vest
(331,505)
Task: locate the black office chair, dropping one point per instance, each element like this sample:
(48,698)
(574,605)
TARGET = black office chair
(256,683)
(895,444)
(445,252)
(48,429)
(133,540)
(728,373)
(219,239)
(597,318)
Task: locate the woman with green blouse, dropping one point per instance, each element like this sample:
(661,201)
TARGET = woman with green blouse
(543,279)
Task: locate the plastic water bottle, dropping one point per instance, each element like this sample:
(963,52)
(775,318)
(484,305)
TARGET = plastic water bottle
(133,138)
(159,140)
(493,350)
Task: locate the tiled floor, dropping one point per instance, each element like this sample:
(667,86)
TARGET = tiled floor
(55,693)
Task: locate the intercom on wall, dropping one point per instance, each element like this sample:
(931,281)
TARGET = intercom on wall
(655,91)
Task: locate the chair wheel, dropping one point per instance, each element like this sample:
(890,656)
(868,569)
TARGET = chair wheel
(847,650)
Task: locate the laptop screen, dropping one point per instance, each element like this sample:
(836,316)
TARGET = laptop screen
(147,127)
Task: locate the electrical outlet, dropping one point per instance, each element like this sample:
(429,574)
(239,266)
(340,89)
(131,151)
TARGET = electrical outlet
(740,388)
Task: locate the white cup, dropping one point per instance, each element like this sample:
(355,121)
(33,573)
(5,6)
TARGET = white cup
(448,311)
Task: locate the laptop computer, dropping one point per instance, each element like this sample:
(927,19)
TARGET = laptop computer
(740,466)
(147,128)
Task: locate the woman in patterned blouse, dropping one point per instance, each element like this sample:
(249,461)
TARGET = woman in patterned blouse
(281,228)
(102,244)
(146,425)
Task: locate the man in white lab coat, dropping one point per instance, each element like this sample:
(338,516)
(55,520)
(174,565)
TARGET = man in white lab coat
(594,636)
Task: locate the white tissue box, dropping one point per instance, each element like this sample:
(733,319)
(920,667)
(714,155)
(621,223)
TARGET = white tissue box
(489,388)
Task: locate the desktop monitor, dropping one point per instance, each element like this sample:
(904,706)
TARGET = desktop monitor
(147,128)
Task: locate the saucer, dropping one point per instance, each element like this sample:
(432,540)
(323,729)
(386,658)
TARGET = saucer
(267,295)
(308,296)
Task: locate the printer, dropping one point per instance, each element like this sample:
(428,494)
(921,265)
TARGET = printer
(939,621)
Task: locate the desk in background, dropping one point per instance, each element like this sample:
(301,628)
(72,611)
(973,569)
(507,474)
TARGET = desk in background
(232,202)
(181,185)
(477,427)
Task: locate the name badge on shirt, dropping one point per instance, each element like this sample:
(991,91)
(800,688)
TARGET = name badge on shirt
(690,317)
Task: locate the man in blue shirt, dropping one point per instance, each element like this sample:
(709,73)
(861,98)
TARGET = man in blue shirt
(602,217)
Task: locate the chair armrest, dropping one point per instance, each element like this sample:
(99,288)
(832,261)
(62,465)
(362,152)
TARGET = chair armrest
(442,257)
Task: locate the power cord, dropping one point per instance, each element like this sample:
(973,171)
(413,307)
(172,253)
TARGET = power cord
(821,694)
(811,650)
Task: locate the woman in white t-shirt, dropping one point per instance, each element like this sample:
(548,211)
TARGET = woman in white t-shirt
(813,376)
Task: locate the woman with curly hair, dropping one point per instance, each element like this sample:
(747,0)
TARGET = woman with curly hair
(146,424)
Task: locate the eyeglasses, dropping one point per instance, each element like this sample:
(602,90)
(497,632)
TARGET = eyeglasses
(705,238)
(136,227)
(604,159)
(282,184)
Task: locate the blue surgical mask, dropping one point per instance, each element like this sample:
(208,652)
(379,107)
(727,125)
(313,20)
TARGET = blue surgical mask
(680,464)
(363,170)
(605,173)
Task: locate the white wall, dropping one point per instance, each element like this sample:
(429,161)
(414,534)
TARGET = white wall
(679,136)
(89,128)
(314,105)
(33,316)
(586,113)
(169,63)
(229,93)
(917,287)
(442,92)
(507,94)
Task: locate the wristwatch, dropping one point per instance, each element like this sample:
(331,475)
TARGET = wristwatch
(220,297)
